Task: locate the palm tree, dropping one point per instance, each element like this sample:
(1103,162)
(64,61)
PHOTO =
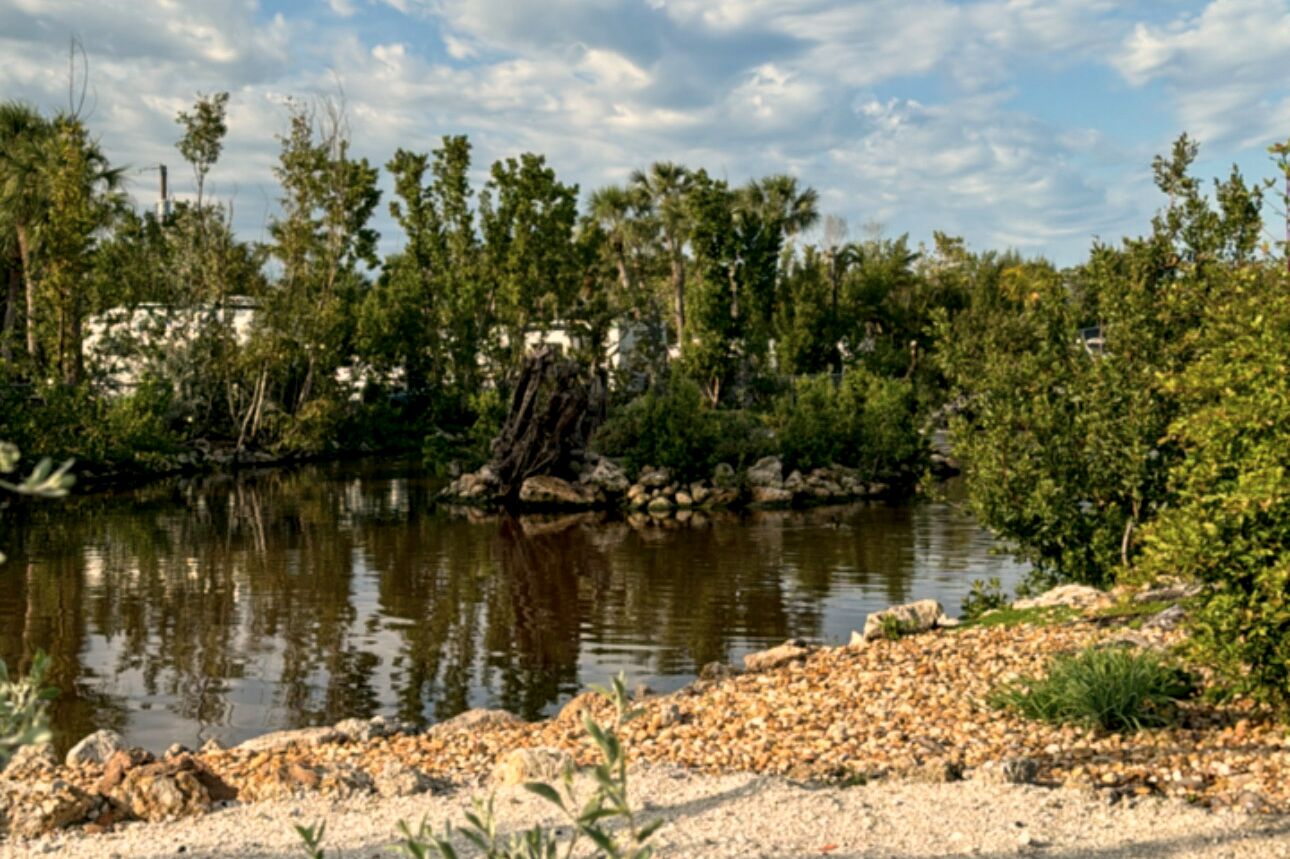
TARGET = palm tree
(23,132)
(623,213)
(666,186)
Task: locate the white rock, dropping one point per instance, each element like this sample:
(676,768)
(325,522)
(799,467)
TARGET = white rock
(96,748)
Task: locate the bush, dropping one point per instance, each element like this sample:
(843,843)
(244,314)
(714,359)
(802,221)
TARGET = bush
(1229,527)
(674,428)
(985,596)
(22,708)
(864,421)
(1113,688)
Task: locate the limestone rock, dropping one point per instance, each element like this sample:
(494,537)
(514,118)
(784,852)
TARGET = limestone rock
(95,749)
(117,766)
(397,779)
(717,671)
(1167,593)
(660,504)
(723,476)
(684,499)
(606,476)
(173,788)
(36,807)
(771,496)
(654,478)
(32,760)
(795,483)
(540,764)
(1168,619)
(767,472)
(765,660)
(723,497)
(1070,596)
(548,491)
(699,491)
(912,618)
(282,739)
(478,719)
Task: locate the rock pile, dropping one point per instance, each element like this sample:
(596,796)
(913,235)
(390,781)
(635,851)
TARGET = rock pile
(910,707)
(602,483)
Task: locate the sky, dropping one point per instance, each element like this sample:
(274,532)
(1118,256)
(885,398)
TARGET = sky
(1013,123)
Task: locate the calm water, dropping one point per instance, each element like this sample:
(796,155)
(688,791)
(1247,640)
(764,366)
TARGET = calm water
(227,608)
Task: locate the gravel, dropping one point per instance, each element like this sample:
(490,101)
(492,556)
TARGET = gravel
(744,815)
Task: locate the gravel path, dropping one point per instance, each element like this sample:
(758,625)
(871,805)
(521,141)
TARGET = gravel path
(744,815)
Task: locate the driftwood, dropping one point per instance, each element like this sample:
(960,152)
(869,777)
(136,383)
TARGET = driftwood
(555,408)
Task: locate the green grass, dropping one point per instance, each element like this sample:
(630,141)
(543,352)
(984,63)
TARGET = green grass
(1023,616)
(1113,688)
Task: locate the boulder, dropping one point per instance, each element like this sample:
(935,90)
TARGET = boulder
(911,618)
(765,660)
(795,483)
(1167,593)
(699,491)
(1168,619)
(1071,596)
(771,496)
(115,770)
(523,765)
(724,477)
(723,497)
(606,476)
(654,478)
(547,491)
(31,761)
(281,739)
(171,789)
(684,499)
(399,779)
(636,492)
(660,504)
(479,719)
(717,671)
(33,808)
(767,472)
(95,749)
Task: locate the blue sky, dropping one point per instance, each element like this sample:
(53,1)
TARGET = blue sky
(1014,123)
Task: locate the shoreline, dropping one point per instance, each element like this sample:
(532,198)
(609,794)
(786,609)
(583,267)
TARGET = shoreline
(903,711)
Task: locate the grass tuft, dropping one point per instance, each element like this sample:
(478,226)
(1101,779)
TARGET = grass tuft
(1113,688)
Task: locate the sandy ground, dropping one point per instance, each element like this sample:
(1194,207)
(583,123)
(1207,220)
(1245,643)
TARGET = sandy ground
(744,816)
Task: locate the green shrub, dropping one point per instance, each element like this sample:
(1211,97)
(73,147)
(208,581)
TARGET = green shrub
(985,596)
(22,708)
(674,428)
(1113,688)
(1229,527)
(863,421)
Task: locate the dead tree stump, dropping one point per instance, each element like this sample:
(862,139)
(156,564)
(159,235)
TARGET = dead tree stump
(556,406)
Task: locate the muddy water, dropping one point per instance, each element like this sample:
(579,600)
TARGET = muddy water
(231,607)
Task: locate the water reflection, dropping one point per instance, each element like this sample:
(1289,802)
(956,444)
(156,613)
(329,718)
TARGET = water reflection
(229,607)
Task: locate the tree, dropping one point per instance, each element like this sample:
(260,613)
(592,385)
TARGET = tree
(321,241)
(624,215)
(666,185)
(22,134)
(527,219)
(203,140)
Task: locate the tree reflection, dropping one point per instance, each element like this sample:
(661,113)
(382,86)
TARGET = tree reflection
(234,606)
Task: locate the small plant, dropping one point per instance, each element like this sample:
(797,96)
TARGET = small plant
(893,627)
(22,708)
(1113,688)
(986,595)
(311,839)
(587,818)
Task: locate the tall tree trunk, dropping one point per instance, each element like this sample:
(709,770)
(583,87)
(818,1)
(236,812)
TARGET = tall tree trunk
(678,293)
(12,297)
(24,253)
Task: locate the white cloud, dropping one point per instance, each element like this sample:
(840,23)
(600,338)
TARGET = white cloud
(820,88)
(1223,68)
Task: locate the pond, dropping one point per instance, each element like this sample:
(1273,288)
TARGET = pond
(231,606)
